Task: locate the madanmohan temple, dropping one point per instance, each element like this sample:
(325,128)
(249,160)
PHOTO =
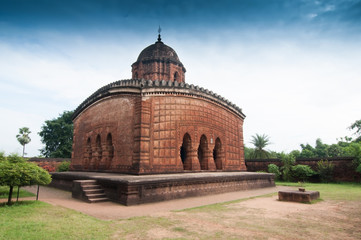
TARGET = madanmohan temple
(155,137)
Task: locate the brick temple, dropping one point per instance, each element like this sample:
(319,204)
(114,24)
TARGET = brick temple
(157,123)
(156,138)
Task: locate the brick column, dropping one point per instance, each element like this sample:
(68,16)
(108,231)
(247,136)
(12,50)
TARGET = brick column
(192,162)
(208,161)
(142,136)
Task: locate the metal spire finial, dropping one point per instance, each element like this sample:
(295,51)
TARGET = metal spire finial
(159,30)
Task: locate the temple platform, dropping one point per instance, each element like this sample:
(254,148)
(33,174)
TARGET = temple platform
(137,189)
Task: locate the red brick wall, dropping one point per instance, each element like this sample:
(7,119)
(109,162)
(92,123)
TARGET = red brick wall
(147,134)
(114,115)
(157,70)
(174,116)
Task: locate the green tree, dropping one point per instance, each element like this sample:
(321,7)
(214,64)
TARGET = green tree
(356,126)
(23,137)
(260,142)
(301,172)
(307,151)
(57,135)
(325,170)
(16,171)
(248,152)
(288,160)
(273,168)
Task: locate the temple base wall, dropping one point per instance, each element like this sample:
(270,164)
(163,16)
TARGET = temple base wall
(131,190)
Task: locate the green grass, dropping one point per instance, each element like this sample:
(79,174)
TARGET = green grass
(39,220)
(331,191)
(4,192)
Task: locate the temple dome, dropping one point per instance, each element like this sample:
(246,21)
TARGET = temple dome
(158,51)
(158,62)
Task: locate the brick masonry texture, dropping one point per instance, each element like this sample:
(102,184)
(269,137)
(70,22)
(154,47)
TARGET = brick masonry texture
(157,129)
(157,123)
(130,189)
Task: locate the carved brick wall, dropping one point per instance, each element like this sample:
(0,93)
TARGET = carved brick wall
(137,127)
(115,116)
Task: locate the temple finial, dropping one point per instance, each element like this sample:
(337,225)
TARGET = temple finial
(159,30)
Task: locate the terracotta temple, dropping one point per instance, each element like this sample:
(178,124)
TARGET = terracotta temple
(157,123)
(155,138)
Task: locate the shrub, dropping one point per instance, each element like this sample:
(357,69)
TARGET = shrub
(358,169)
(301,172)
(64,166)
(273,168)
(325,170)
(288,160)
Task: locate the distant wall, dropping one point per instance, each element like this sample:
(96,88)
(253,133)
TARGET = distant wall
(343,170)
(49,164)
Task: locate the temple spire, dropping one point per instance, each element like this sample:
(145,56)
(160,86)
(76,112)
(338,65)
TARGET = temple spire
(159,30)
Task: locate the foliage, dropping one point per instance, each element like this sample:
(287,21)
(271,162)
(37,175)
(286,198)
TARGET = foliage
(358,169)
(16,171)
(302,172)
(273,168)
(288,160)
(248,152)
(325,171)
(57,135)
(64,166)
(356,126)
(23,137)
(260,142)
(2,156)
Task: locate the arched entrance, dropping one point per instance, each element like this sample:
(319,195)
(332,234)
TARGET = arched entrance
(217,154)
(185,150)
(110,150)
(202,150)
(99,153)
(88,154)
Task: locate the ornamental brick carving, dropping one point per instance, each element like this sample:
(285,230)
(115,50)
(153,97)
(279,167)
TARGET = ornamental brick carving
(151,125)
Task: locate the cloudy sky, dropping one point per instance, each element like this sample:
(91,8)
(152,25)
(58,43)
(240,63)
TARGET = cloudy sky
(294,67)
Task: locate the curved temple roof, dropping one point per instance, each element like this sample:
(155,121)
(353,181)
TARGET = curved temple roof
(145,87)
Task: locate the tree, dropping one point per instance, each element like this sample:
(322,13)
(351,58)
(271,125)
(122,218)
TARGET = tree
(356,126)
(260,142)
(23,137)
(16,171)
(288,160)
(57,135)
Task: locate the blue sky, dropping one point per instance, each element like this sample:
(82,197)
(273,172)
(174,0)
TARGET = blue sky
(292,66)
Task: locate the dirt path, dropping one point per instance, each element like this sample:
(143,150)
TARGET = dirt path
(110,210)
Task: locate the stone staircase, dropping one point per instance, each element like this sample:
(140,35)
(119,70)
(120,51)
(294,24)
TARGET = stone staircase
(89,191)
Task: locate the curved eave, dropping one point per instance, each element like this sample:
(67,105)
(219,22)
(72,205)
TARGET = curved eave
(149,87)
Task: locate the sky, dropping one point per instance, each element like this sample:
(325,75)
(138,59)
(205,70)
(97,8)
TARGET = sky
(294,67)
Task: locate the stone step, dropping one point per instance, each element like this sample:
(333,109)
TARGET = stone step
(88,182)
(95,200)
(95,195)
(90,191)
(86,187)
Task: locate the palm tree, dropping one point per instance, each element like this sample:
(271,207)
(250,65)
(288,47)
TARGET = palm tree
(260,142)
(23,137)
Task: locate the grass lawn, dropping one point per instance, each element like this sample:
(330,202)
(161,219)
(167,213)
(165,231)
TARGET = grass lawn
(4,192)
(338,216)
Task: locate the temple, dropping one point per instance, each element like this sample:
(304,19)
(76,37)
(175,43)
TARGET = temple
(157,123)
(155,138)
